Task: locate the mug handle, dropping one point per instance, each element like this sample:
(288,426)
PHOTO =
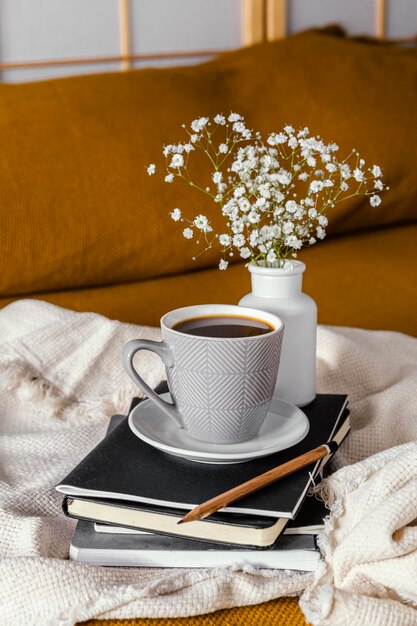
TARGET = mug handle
(164,352)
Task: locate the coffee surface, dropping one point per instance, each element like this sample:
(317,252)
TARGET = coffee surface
(223,327)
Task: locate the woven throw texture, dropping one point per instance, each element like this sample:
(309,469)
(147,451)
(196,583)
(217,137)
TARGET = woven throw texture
(61,377)
(280,612)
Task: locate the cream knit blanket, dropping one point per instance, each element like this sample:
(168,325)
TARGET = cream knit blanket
(61,377)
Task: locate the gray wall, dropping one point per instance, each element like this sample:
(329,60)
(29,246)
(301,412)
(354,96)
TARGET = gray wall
(45,29)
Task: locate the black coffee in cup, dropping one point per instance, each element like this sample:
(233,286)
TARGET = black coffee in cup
(223,326)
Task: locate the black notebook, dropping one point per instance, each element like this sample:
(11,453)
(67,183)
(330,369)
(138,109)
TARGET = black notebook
(125,468)
(298,552)
(234,528)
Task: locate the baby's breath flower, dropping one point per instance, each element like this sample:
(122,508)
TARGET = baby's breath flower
(169,178)
(287,228)
(223,149)
(177,161)
(300,212)
(253,238)
(358,175)
(291,206)
(264,190)
(378,184)
(224,240)
(375,200)
(376,171)
(316,186)
(293,242)
(260,202)
(151,169)
(239,240)
(284,177)
(254,217)
(198,125)
(245,253)
(234,117)
(271,257)
(217,177)
(239,127)
(345,171)
(223,264)
(266,233)
(201,222)
(176,215)
(188,233)
(238,227)
(320,232)
(244,204)
(275,231)
(303,132)
(275,139)
(239,191)
(220,119)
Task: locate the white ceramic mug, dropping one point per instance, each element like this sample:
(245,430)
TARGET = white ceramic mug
(221,387)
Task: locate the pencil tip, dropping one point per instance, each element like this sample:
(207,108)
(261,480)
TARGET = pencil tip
(180,521)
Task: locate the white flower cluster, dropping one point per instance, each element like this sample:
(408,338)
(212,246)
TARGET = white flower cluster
(273,194)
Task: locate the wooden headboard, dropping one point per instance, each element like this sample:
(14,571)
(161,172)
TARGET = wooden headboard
(267,20)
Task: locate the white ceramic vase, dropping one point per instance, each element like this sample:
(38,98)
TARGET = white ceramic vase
(278,291)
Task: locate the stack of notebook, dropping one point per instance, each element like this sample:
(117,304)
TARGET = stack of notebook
(128,497)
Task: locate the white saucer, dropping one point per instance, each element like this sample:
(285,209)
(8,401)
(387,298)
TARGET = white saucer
(284,426)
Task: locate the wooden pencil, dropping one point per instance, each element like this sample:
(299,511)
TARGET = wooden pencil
(258,482)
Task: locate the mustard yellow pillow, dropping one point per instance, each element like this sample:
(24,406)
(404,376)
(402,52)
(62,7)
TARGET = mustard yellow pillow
(77,206)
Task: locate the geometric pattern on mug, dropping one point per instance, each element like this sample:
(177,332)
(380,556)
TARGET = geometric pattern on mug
(227,425)
(193,354)
(209,383)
